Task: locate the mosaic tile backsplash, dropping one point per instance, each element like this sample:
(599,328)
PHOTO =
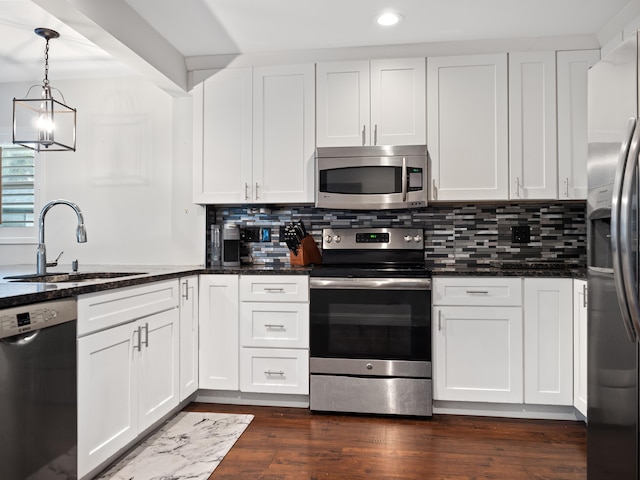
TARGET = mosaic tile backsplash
(455,235)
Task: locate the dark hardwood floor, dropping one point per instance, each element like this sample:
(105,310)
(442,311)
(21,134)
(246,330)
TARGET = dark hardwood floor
(293,443)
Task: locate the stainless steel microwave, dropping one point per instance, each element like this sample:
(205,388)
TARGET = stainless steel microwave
(371,178)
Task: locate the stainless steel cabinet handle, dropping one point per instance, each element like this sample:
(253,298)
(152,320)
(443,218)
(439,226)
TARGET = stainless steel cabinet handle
(257,190)
(146,335)
(518,187)
(246,191)
(477,292)
(364,136)
(584,296)
(375,134)
(274,289)
(272,372)
(439,320)
(272,325)
(434,188)
(185,295)
(139,332)
(566,187)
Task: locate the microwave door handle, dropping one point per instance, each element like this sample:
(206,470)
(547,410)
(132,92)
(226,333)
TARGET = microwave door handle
(626,239)
(615,231)
(405,180)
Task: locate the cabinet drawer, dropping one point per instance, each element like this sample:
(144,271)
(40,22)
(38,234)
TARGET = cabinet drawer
(264,370)
(274,288)
(278,325)
(477,291)
(100,310)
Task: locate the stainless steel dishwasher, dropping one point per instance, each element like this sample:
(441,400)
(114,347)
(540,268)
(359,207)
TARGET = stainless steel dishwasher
(38,401)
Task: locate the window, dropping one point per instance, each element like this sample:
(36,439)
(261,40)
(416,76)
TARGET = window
(18,186)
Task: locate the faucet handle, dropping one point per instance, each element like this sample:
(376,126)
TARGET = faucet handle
(55,262)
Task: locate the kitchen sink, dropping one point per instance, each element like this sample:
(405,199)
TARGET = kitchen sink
(69,277)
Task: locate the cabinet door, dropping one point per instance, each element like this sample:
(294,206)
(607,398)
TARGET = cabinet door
(478,354)
(398,102)
(107,395)
(222,125)
(188,336)
(467,127)
(532,126)
(572,121)
(342,104)
(159,364)
(580,346)
(283,133)
(218,324)
(548,345)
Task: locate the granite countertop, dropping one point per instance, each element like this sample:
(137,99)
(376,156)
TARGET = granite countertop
(516,269)
(23,293)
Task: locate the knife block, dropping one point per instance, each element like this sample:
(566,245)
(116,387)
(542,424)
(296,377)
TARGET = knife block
(308,253)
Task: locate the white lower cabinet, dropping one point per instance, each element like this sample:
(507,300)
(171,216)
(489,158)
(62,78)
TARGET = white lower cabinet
(188,336)
(128,374)
(274,334)
(503,340)
(548,341)
(218,323)
(580,346)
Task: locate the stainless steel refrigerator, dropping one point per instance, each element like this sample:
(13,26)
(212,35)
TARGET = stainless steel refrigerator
(613,300)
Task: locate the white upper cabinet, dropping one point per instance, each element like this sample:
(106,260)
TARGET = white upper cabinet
(283,134)
(572,69)
(532,126)
(254,135)
(223,140)
(377,102)
(467,127)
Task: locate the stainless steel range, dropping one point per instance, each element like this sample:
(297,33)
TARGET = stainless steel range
(370,323)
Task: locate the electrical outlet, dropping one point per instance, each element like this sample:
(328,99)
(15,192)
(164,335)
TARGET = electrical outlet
(520,234)
(250,234)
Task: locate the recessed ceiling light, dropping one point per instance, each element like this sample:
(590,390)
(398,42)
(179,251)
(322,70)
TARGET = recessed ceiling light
(388,18)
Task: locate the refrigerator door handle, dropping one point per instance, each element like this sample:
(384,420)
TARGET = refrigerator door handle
(627,222)
(617,216)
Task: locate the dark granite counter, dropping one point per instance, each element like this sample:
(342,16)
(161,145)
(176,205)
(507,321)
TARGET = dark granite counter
(23,293)
(14,293)
(513,269)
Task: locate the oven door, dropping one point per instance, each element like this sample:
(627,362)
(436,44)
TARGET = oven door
(371,319)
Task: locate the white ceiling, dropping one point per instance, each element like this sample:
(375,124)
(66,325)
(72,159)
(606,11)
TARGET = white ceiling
(165,30)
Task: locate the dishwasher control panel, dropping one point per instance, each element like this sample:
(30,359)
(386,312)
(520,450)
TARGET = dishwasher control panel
(27,318)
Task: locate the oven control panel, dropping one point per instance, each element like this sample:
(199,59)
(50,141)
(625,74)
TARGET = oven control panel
(374,238)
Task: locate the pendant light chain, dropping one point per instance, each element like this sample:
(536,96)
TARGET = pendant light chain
(46,64)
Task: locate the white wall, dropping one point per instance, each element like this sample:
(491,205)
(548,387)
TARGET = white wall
(130,175)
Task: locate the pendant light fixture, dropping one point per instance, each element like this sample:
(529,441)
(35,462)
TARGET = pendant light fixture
(43,123)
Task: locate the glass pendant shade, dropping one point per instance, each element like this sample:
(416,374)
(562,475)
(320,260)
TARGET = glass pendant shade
(43,123)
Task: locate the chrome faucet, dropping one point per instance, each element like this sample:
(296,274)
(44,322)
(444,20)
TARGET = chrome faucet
(81,233)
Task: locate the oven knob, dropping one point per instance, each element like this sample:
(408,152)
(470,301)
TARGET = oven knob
(369,366)
(327,238)
(407,238)
(337,239)
(417,238)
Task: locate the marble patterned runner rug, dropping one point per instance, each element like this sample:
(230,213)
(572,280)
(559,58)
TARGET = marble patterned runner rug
(189,446)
